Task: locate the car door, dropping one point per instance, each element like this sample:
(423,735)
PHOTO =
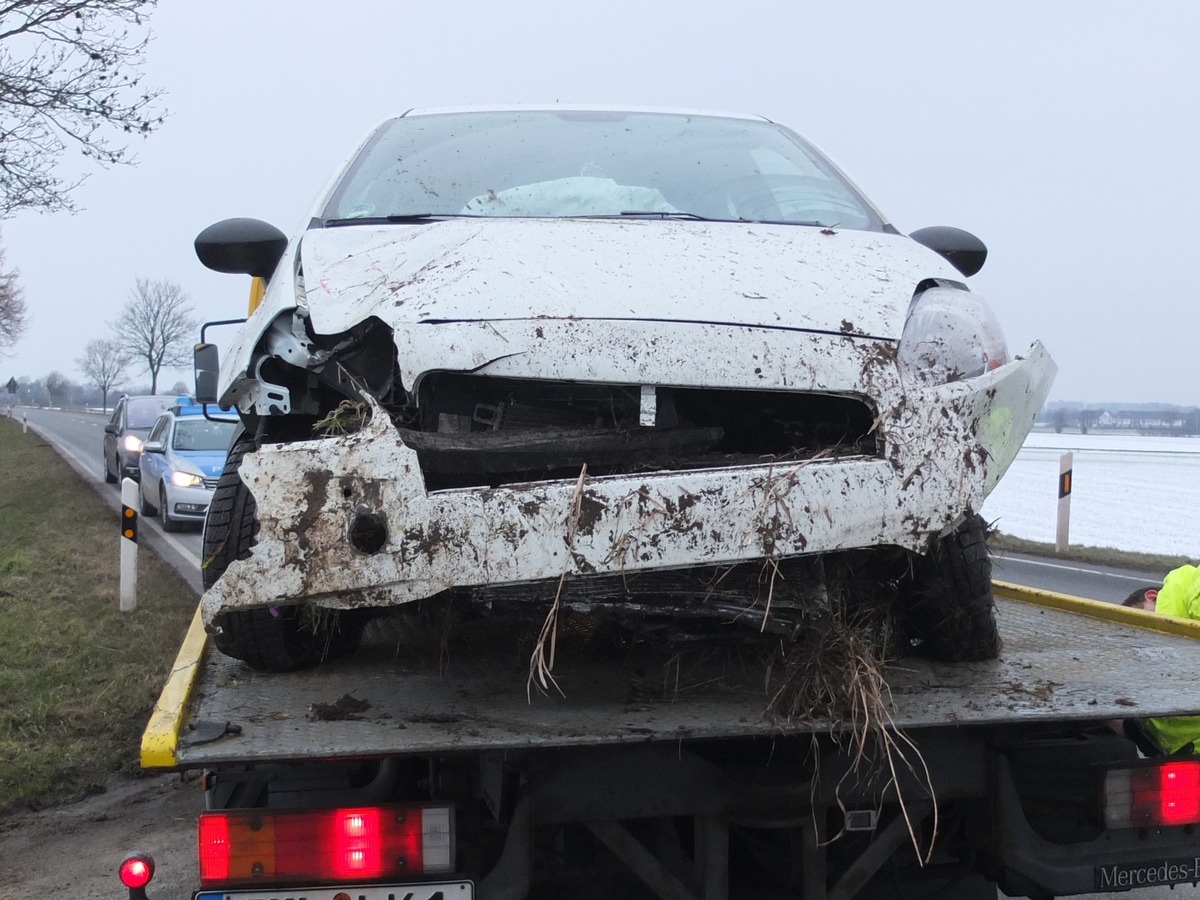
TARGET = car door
(154,465)
(112,435)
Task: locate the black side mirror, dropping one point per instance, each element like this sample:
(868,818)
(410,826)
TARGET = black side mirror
(961,249)
(206,359)
(110,428)
(241,247)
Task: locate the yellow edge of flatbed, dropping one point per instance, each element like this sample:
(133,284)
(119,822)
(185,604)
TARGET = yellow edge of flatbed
(160,741)
(1098,609)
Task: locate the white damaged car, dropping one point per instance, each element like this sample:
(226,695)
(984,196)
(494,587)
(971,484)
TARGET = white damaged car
(623,361)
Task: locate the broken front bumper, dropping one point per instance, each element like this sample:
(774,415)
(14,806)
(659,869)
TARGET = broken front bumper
(347,522)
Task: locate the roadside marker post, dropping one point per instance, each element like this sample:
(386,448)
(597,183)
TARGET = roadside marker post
(129,530)
(1065,477)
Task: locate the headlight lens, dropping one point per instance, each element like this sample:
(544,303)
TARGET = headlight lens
(133,443)
(186,479)
(950,334)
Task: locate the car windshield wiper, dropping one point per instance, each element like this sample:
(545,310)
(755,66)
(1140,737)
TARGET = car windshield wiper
(661,214)
(397,218)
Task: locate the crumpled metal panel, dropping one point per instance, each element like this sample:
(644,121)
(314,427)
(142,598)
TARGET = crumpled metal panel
(784,277)
(944,447)
(746,274)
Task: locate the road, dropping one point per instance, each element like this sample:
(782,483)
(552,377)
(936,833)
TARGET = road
(78,438)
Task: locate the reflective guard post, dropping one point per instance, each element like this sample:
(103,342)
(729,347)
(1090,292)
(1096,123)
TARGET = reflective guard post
(129,530)
(1066,461)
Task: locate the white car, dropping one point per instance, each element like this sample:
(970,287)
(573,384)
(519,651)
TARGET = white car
(605,358)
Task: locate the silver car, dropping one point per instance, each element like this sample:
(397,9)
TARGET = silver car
(181,461)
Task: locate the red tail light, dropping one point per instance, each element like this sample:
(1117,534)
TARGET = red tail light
(361,844)
(1164,794)
(136,870)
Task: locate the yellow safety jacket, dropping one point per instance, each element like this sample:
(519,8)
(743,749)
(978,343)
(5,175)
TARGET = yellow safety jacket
(1180,596)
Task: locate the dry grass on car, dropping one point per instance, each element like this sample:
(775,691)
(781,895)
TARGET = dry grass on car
(78,678)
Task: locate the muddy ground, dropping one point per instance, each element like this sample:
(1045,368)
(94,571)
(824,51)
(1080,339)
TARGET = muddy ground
(74,850)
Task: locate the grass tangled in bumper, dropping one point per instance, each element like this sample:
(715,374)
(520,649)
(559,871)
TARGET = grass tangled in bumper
(78,678)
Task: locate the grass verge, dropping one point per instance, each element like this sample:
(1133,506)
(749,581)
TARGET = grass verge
(78,678)
(1100,556)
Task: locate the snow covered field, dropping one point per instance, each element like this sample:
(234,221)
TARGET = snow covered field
(1129,492)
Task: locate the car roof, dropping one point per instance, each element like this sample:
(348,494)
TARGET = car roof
(148,399)
(579,107)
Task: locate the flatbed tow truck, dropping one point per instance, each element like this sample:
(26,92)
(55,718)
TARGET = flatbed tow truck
(426,769)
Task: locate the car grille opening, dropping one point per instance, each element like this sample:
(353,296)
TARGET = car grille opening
(486,431)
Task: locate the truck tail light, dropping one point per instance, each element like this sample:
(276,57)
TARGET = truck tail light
(360,844)
(1167,793)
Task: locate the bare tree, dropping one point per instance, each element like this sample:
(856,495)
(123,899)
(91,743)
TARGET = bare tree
(70,76)
(156,327)
(103,362)
(1059,419)
(57,386)
(1088,418)
(13,314)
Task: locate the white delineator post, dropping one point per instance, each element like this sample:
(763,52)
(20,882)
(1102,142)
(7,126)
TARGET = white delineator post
(1064,501)
(129,529)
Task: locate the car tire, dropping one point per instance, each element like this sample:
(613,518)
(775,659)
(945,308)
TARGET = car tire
(145,507)
(950,610)
(109,477)
(274,639)
(168,524)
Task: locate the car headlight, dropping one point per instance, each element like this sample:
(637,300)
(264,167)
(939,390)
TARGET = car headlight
(186,479)
(133,443)
(950,334)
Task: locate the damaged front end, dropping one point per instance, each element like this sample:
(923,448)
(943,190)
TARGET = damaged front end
(666,368)
(668,508)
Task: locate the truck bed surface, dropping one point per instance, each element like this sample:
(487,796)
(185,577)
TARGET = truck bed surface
(419,694)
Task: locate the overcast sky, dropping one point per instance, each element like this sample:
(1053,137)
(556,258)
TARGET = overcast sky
(1065,135)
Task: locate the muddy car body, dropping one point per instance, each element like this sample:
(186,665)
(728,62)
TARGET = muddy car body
(598,357)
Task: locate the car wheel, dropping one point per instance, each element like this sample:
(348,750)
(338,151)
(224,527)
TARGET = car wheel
(949,603)
(109,477)
(145,508)
(275,639)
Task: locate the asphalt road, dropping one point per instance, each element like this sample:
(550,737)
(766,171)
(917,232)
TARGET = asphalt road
(78,438)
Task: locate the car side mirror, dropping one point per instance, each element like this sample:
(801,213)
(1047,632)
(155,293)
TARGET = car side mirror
(961,249)
(110,428)
(206,361)
(241,246)
(154,447)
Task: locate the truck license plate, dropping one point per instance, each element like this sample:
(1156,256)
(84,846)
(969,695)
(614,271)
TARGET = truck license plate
(445,890)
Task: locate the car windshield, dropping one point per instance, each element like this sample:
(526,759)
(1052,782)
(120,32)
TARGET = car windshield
(570,163)
(202,434)
(143,412)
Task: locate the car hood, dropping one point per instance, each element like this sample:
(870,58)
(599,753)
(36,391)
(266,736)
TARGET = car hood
(733,273)
(208,463)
